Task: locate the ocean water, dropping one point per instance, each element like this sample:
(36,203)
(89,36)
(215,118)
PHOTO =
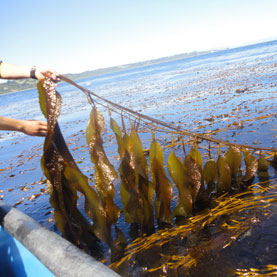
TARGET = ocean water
(231,94)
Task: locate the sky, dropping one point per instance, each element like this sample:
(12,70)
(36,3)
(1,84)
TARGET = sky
(72,36)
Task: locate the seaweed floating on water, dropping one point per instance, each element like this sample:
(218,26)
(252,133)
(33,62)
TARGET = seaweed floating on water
(231,212)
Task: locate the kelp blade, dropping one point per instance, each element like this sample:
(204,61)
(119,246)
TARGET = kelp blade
(104,172)
(210,174)
(251,165)
(140,166)
(177,173)
(194,175)
(56,158)
(224,175)
(162,185)
(233,158)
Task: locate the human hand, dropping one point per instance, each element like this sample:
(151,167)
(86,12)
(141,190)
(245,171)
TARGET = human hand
(40,73)
(34,128)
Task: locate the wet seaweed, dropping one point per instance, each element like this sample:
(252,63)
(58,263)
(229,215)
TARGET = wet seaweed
(145,185)
(256,197)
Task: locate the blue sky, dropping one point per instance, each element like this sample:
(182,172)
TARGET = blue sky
(79,35)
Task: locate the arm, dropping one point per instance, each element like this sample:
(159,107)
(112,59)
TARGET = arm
(10,71)
(28,127)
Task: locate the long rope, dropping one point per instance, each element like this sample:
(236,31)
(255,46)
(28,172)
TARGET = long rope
(88,93)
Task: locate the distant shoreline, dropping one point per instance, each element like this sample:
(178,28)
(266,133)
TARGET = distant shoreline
(25,84)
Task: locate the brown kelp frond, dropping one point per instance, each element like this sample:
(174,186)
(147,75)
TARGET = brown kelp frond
(177,173)
(163,186)
(104,172)
(136,190)
(65,177)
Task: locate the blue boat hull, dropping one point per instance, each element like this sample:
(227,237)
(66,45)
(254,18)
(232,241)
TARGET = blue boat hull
(16,260)
(28,249)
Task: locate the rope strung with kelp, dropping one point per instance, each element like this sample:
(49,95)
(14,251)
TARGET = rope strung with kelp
(177,130)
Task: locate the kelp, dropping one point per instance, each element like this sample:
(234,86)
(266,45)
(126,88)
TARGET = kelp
(263,166)
(104,172)
(199,184)
(124,182)
(129,193)
(210,175)
(233,159)
(163,186)
(193,170)
(251,165)
(136,190)
(93,206)
(228,211)
(224,174)
(177,172)
(65,179)
(55,160)
(104,175)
